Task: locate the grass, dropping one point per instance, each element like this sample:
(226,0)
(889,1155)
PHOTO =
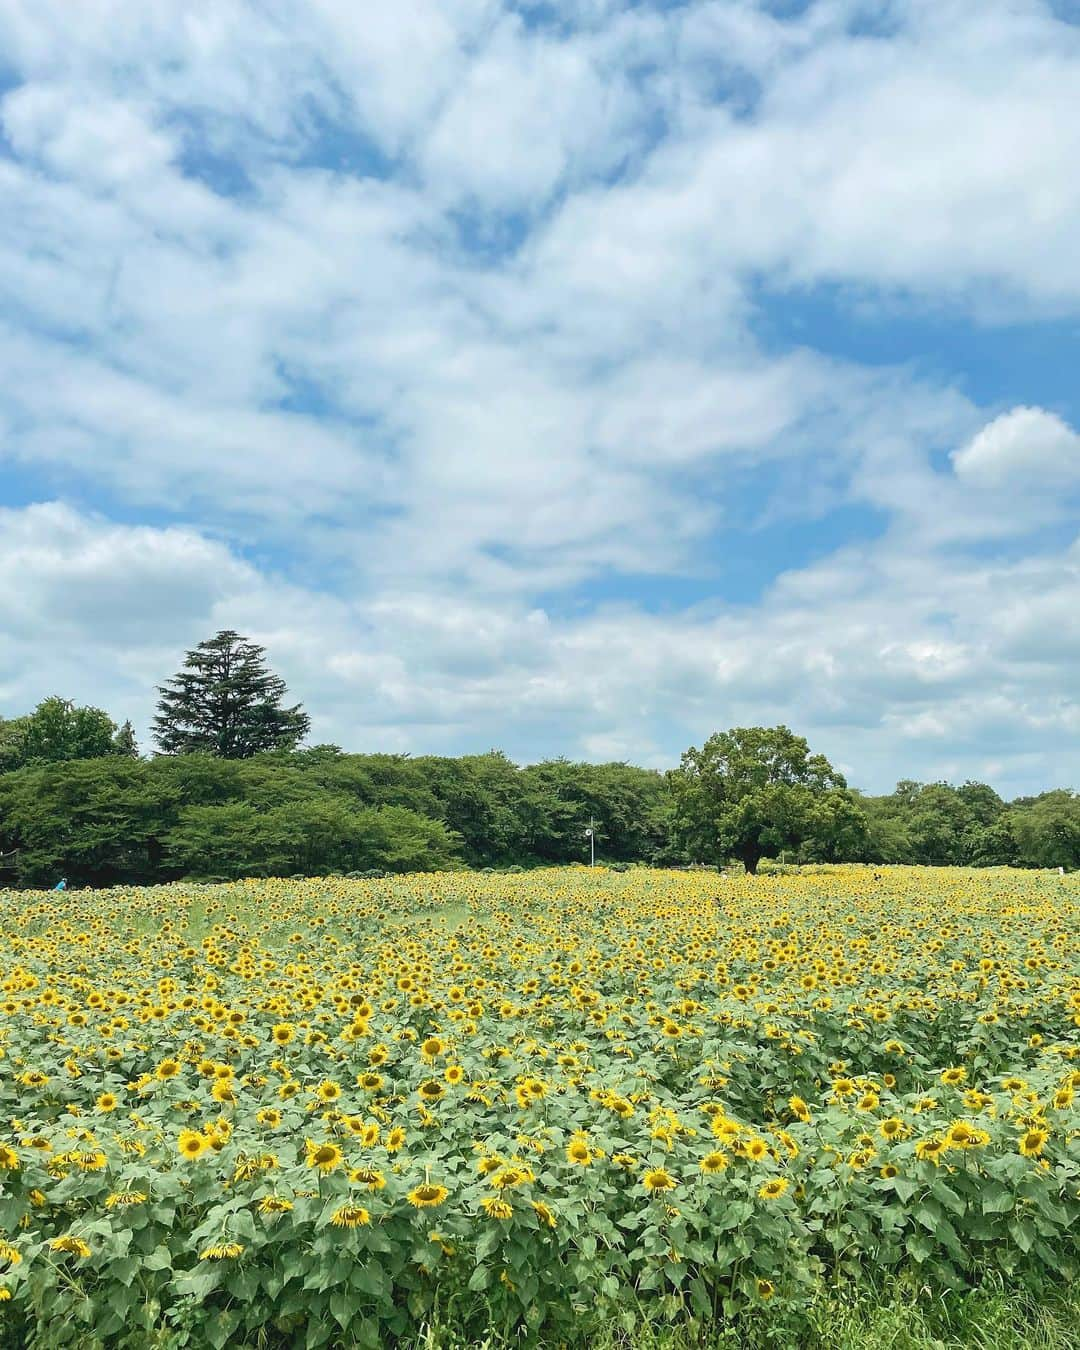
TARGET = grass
(900,1317)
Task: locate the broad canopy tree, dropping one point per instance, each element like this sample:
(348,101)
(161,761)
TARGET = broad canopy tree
(58,731)
(758,790)
(227,702)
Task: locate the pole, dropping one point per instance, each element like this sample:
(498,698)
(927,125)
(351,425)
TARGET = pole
(591,836)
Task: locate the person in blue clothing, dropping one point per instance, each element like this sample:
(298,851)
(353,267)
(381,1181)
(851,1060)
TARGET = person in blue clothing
(61,885)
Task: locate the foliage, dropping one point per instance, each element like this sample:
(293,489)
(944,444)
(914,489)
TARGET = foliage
(227,702)
(746,794)
(337,1112)
(1047,830)
(755,790)
(944,825)
(58,731)
(106,821)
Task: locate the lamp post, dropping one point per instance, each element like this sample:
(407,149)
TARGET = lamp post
(591,837)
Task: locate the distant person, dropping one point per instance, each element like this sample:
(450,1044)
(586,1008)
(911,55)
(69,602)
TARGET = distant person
(61,885)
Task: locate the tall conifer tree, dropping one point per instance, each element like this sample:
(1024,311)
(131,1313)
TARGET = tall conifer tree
(226,702)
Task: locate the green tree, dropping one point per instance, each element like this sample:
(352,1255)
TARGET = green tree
(12,734)
(314,835)
(1047,830)
(752,790)
(57,730)
(226,702)
(124,742)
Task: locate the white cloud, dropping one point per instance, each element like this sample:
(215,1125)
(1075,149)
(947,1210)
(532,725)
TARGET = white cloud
(83,136)
(1029,446)
(451,306)
(899,668)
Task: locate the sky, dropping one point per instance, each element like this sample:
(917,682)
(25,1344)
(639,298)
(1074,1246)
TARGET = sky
(573,377)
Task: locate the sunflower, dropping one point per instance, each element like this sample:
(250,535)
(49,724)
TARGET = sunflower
(222,1251)
(427,1196)
(543,1213)
(495,1207)
(430,1091)
(325,1157)
(121,1199)
(283,1033)
(395,1139)
(350,1216)
(774,1189)
(713,1162)
(108,1101)
(368,1176)
(579,1153)
(799,1109)
(765,1290)
(192,1144)
(931,1149)
(74,1246)
(274,1204)
(657,1179)
(1033,1141)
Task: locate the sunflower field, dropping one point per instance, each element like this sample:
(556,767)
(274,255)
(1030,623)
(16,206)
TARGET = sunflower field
(330,1112)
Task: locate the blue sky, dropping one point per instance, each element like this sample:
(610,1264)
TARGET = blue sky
(575,377)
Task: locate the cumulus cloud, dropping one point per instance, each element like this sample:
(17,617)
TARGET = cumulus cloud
(430,350)
(1025,445)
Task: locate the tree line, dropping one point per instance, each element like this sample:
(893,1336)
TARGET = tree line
(231,792)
